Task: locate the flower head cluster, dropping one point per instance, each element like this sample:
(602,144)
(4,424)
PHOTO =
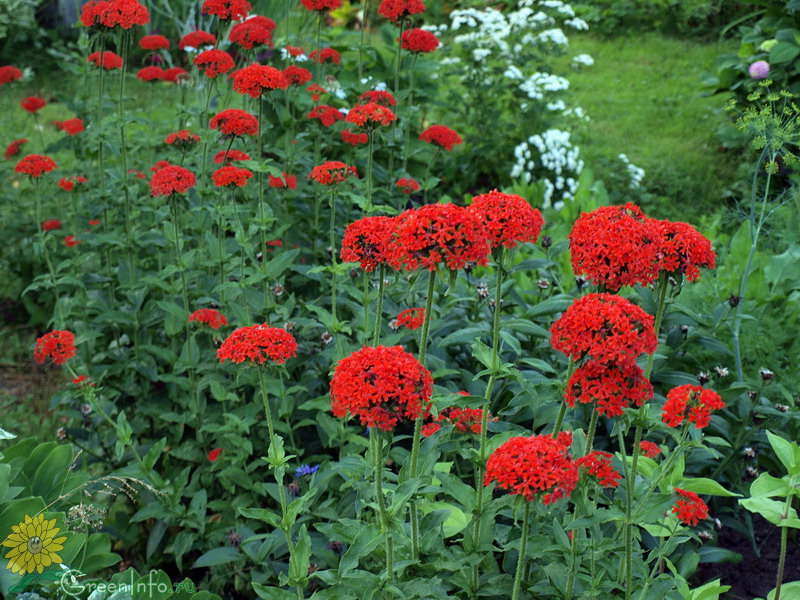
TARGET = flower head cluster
(611,386)
(394,10)
(287,181)
(154,42)
(214,62)
(68,183)
(33,104)
(197,39)
(534,466)
(114,13)
(508,219)
(255,80)
(407,185)
(230,176)
(381,386)
(258,344)
(366,241)
(379,97)
(209,316)
(354,139)
(297,75)
(464,420)
(57,345)
(442,136)
(438,234)
(370,115)
(233,121)
(332,172)
(411,318)
(176,75)
(255,31)
(227,10)
(326,115)
(321,4)
(683,250)
(229,156)
(326,55)
(9,74)
(689,508)
(604,326)
(170,180)
(649,449)
(598,464)
(419,40)
(51,225)
(151,74)
(182,139)
(70,126)
(690,402)
(316,91)
(71,241)
(14,148)
(108,60)
(35,165)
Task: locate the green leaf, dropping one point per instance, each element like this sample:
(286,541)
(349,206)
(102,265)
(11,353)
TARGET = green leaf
(51,473)
(366,541)
(217,556)
(772,511)
(783,52)
(402,495)
(155,585)
(709,487)
(786,452)
(262,514)
(456,520)
(768,486)
(788,590)
(300,559)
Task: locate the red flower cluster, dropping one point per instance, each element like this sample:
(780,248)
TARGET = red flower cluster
(68,183)
(465,420)
(231,176)
(154,42)
(649,449)
(419,40)
(256,31)
(150,74)
(689,508)
(379,97)
(51,225)
(209,316)
(326,55)
(258,344)
(605,326)
(197,39)
(683,250)
(354,139)
(9,74)
(533,466)
(438,233)
(229,156)
(507,218)
(598,464)
(287,181)
(227,10)
(610,386)
(692,402)
(321,4)
(35,165)
(407,185)
(71,241)
(442,136)
(70,126)
(108,60)
(114,13)
(381,386)
(254,80)
(370,115)
(332,172)
(176,75)
(213,455)
(297,75)
(411,318)
(395,10)
(182,139)
(58,346)
(366,241)
(172,179)
(316,91)
(14,148)
(236,122)
(33,104)
(327,115)
(214,62)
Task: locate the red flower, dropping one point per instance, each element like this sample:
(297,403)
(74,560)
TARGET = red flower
(407,185)
(332,172)
(94,222)
(182,139)
(508,219)
(33,104)
(213,455)
(14,148)
(533,466)
(598,464)
(235,122)
(93,12)
(154,42)
(367,241)
(35,165)
(605,326)
(381,386)
(58,346)
(398,9)
(327,115)
(71,241)
(411,318)
(151,74)
(326,55)
(227,10)
(322,4)
(615,246)
(231,176)
(68,183)
(287,181)
(114,13)
(430,428)
(214,62)
(51,225)
(70,126)
(316,91)
(297,75)
(295,50)
(160,165)
(419,40)
(689,508)
(649,449)
(197,39)
(171,180)
(229,156)
(692,402)
(258,344)
(9,74)
(442,136)
(108,60)
(254,80)
(176,75)
(209,316)
(465,420)
(82,380)
(379,97)
(371,115)
(610,386)
(274,243)
(438,233)
(256,31)
(354,139)
(683,250)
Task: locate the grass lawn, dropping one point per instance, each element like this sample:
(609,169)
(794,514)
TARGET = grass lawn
(644,97)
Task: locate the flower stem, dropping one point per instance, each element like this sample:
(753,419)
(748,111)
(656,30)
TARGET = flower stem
(523,546)
(376,336)
(364,26)
(370,145)
(332,242)
(377,453)
(563,410)
(592,429)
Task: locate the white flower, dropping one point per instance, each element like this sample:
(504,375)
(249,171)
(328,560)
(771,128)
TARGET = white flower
(636,173)
(577,23)
(582,60)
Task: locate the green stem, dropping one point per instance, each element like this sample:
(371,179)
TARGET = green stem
(562,411)
(370,145)
(261,211)
(376,336)
(332,242)
(204,123)
(124,146)
(364,26)
(386,527)
(782,555)
(592,428)
(523,546)
(628,530)
(178,256)
(409,122)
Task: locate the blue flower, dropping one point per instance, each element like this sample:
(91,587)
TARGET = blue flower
(305,470)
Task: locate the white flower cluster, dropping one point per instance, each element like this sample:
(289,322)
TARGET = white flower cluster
(636,173)
(537,84)
(286,56)
(582,60)
(557,160)
(553,36)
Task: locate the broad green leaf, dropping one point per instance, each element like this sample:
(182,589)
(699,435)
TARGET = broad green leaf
(217,556)
(768,486)
(785,451)
(708,487)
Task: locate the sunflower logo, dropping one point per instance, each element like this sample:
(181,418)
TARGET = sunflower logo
(33,544)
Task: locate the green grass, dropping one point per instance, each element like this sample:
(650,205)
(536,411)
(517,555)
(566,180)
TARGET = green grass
(644,97)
